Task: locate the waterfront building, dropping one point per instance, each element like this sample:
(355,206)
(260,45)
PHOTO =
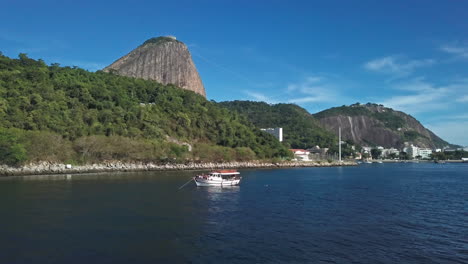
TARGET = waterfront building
(277,132)
(425,153)
(317,152)
(301,154)
(387,152)
(450,149)
(411,150)
(366,149)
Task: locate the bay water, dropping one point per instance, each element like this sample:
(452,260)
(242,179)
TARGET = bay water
(372,213)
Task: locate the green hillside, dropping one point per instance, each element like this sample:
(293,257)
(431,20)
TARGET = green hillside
(300,129)
(80,116)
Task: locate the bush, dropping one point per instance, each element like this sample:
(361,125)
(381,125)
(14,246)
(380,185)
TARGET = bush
(11,151)
(47,146)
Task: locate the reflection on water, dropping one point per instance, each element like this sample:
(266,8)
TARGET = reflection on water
(219,202)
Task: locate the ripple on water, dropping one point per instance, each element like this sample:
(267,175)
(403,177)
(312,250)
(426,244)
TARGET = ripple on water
(391,213)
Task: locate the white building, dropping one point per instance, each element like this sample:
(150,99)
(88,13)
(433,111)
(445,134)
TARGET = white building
(301,154)
(387,152)
(412,151)
(277,132)
(425,153)
(366,149)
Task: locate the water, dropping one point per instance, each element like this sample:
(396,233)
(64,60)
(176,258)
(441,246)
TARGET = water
(379,213)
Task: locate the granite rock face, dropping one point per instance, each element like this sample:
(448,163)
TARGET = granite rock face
(163,59)
(373,124)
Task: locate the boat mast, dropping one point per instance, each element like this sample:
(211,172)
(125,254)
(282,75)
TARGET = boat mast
(339,143)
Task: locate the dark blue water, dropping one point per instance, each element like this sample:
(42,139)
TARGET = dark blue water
(380,213)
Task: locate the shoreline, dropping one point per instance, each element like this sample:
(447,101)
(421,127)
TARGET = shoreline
(47,168)
(418,161)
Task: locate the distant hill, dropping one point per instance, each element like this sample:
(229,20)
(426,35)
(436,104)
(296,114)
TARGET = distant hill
(300,128)
(373,124)
(69,114)
(162,59)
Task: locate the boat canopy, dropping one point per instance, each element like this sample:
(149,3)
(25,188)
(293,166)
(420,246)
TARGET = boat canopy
(225,172)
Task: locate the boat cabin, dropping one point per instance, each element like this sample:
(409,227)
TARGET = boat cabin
(224,174)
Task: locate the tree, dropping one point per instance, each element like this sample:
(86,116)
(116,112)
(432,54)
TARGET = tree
(66,105)
(403,156)
(11,152)
(376,153)
(438,156)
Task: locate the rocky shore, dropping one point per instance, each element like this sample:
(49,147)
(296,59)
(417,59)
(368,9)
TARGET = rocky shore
(55,168)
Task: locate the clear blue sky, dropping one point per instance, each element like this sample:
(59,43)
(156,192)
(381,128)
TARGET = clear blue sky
(408,55)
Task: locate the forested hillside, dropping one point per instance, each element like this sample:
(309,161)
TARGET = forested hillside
(69,114)
(300,128)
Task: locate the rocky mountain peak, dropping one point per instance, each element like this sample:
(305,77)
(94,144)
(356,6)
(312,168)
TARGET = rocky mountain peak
(163,59)
(375,124)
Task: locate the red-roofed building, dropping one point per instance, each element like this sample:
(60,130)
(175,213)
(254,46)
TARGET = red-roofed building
(301,154)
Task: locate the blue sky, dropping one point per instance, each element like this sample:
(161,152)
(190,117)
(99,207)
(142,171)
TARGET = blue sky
(408,55)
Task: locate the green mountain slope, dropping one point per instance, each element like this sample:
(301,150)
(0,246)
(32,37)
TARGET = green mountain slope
(373,124)
(77,108)
(300,129)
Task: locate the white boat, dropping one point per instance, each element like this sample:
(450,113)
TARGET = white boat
(218,178)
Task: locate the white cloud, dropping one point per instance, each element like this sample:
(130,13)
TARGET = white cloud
(463,116)
(453,131)
(463,99)
(260,97)
(319,89)
(396,66)
(458,51)
(90,66)
(422,96)
(312,89)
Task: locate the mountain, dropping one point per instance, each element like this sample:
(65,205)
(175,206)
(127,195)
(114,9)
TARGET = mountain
(53,113)
(373,124)
(162,59)
(300,128)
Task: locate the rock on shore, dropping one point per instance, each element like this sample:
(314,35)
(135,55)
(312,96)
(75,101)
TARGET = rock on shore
(55,168)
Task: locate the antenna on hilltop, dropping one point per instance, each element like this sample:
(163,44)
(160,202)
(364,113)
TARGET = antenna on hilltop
(339,143)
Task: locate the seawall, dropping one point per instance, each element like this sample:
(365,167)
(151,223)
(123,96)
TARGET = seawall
(56,168)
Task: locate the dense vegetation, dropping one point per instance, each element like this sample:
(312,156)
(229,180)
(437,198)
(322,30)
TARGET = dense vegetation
(300,129)
(159,40)
(411,135)
(69,114)
(450,155)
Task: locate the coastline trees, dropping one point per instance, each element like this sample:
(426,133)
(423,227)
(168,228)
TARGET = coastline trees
(65,108)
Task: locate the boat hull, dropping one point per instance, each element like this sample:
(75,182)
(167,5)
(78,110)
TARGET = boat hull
(209,182)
